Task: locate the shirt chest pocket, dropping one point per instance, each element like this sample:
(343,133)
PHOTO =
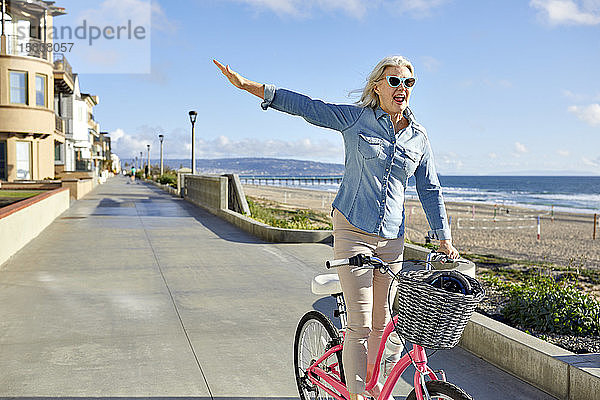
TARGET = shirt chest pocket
(409,158)
(370,147)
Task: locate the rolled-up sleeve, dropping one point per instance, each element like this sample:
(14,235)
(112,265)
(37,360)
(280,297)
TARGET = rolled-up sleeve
(430,195)
(268,97)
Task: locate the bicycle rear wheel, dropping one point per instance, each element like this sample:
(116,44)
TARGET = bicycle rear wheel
(440,390)
(314,334)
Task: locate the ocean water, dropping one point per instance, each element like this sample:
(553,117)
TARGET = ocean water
(566,193)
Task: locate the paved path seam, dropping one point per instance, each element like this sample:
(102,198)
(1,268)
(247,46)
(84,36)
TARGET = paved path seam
(174,303)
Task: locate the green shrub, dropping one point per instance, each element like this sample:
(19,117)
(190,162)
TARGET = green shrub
(168,179)
(547,306)
(288,219)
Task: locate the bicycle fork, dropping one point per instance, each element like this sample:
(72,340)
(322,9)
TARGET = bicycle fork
(422,371)
(418,358)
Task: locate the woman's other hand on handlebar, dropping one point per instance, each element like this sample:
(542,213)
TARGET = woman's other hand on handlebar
(240,82)
(447,248)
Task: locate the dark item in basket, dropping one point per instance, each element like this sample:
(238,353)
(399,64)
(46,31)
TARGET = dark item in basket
(430,316)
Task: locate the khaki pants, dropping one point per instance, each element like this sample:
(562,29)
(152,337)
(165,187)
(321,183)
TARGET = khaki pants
(365,293)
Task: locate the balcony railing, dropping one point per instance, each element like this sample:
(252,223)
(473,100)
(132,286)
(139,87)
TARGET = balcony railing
(59,124)
(61,64)
(26,46)
(83,165)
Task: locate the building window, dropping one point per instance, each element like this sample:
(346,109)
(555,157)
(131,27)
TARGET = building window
(40,90)
(58,153)
(3,160)
(18,87)
(23,160)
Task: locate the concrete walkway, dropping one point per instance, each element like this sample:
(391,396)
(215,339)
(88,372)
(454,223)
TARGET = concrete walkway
(132,292)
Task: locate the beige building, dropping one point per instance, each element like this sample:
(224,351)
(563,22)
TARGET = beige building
(31,134)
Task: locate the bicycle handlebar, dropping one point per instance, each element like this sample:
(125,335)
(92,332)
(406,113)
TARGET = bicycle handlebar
(361,259)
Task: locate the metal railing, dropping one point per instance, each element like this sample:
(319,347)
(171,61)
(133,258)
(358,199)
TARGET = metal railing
(59,123)
(26,47)
(61,64)
(83,165)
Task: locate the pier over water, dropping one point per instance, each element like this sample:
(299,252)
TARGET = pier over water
(291,180)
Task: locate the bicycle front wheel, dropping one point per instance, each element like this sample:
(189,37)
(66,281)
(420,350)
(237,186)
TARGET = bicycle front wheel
(314,335)
(440,390)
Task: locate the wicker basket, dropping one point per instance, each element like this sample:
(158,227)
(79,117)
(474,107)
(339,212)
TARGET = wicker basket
(432,317)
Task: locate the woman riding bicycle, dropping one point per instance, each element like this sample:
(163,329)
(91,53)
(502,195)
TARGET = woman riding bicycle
(384,146)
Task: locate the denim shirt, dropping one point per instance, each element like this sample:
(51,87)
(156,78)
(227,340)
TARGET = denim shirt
(378,163)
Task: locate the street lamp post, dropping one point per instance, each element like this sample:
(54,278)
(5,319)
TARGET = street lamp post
(193,115)
(148,164)
(161,138)
(141,159)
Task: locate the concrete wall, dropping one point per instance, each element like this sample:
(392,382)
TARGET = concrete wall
(23,221)
(212,194)
(207,191)
(270,233)
(564,375)
(78,187)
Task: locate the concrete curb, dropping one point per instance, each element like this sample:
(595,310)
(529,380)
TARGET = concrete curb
(550,368)
(166,188)
(270,233)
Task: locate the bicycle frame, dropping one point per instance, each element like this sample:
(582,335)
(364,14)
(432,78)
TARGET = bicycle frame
(332,378)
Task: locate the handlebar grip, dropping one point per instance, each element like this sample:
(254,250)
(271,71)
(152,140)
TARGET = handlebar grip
(337,263)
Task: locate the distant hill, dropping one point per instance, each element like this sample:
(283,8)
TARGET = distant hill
(259,166)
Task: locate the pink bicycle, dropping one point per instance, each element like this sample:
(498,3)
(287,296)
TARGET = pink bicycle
(431,309)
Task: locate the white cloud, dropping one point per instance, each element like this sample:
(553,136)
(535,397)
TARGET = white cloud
(448,162)
(493,156)
(305,148)
(581,97)
(128,146)
(520,148)
(431,64)
(114,12)
(177,144)
(568,12)
(563,153)
(497,83)
(304,8)
(143,12)
(591,163)
(589,114)
(418,8)
(354,8)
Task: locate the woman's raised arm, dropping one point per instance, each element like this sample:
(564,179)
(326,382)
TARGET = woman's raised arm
(240,82)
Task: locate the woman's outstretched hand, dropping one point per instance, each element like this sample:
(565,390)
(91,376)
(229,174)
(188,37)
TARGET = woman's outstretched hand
(240,82)
(236,79)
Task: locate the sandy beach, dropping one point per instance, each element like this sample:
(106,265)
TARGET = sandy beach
(566,239)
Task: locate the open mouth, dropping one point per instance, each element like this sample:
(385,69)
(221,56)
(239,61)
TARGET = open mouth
(399,99)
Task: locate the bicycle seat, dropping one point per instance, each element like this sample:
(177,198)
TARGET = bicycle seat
(326,284)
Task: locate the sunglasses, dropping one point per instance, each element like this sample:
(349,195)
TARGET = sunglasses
(395,81)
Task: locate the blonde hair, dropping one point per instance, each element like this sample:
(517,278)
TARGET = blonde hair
(368,97)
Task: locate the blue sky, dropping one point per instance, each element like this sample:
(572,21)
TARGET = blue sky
(503,86)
